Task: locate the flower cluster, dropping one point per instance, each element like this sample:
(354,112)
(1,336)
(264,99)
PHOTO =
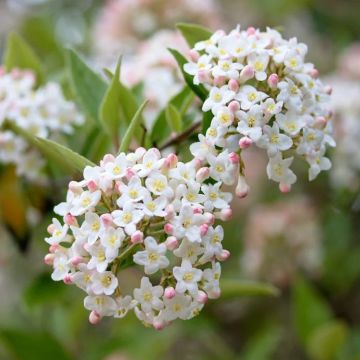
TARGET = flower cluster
(159,213)
(43,112)
(262,92)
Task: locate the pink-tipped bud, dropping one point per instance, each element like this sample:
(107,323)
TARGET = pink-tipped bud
(247,73)
(284,188)
(54,247)
(137,237)
(201,297)
(210,218)
(92,186)
(94,318)
(169,293)
(70,220)
(75,187)
(245,142)
(224,255)
(118,186)
(129,173)
(204,228)
(215,294)
(320,122)
(76,260)
(49,259)
(171,161)
(50,229)
(108,158)
(171,243)
(203,76)
(242,188)
(225,214)
(328,89)
(202,174)
(273,81)
(198,163)
(234,106)
(233,85)
(197,210)
(219,81)
(168,228)
(106,219)
(314,73)
(159,325)
(234,158)
(67,279)
(194,55)
(250,30)
(170,212)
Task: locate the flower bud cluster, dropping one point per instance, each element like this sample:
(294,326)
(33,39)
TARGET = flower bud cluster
(263,93)
(152,211)
(43,112)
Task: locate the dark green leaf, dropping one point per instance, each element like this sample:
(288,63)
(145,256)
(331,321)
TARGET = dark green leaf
(232,288)
(18,54)
(206,121)
(87,85)
(193,33)
(173,118)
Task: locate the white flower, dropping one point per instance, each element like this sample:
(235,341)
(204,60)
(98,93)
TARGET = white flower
(111,239)
(211,278)
(215,198)
(290,122)
(224,117)
(153,207)
(311,140)
(189,250)
(259,61)
(183,172)
(59,232)
(201,149)
(270,107)
(123,305)
(117,169)
(128,217)
(87,200)
(218,97)
(92,227)
(150,162)
(278,170)
(153,257)
(187,277)
(227,68)
(61,267)
(249,96)
(83,278)
(317,163)
(177,307)
(133,192)
(290,94)
(221,169)
(273,141)
(103,305)
(99,260)
(158,185)
(203,64)
(190,193)
(251,122)
(104,283)
(213,246)
(148,296)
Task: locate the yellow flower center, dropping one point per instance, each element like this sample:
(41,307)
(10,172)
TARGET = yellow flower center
(188,276)
(133,194)
(274,139)
(151,205)
(213,195)
(217,97)
(117,170)
(259,66)
(153,257)
(251,96)
(106,280)
(95,226)
(127,217)
(147,296)
(159,185)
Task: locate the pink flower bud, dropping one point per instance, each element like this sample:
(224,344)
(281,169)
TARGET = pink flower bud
(159,325)
(106,219)
(225,214)
(328,89)
(169,293)
(320,122)
(273,81)
(118,186)
(156,152)
(242,188)
(49,259)
(94,318)
(204,228)
(108,158)
(245,142)
(194,55)
(202,174)
(76,260)
(219,81)
(201,297)
(203,76)
(198,163)
(92,186)
(171,161)
(129,173)
(284,188)
(234,158)
(168,228)
(247,73)
(215,294)
(54,247)
(234,106)
(250,30)
(314,73)
(225,254)
(67,279)
(197,210)
(210,218)
(50,229)
(137,237)
(70,220)
(233,85)
(75,187)
(171,243)
(170,212)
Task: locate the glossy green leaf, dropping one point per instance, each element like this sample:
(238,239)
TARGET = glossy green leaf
(111,106)
(199,90)
(133,126)
(193,33)
(18,54)
(206,121)
(232,288)
(173,118)
(88,86)
(310,309)
(26,345)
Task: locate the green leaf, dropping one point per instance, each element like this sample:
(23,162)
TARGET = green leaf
(327,340)
(310,310)
(18,54)
(206,121)
(134,125)
(61,155)
(193,33)
(43,290)
(87,85)
(26,345)
(173,118)
(111,106)
(232,288)
(199,90)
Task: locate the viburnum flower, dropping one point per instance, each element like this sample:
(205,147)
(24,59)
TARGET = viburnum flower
(156,214)
(43,111)
(262,93)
